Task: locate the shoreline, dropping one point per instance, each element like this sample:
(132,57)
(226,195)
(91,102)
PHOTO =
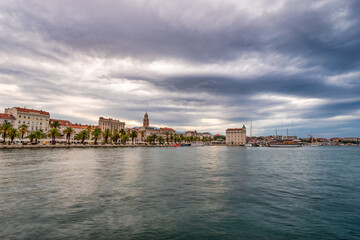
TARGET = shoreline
(75,146)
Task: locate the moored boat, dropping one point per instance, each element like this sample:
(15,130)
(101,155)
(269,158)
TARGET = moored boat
(285,143)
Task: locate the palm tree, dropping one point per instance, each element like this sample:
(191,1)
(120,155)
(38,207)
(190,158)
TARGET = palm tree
(142,135)
(133,135)
(167,137)
(13,133)
(4,129)
(82,136)
(107,135)
(31,136)
(175,138)
(125,138)
(39,134)
(96,134)
(122,133)
(55,124)
(89,129)
(161,140)
(171,138)
(53,133)
(23,129)
(115,136)
(68,131)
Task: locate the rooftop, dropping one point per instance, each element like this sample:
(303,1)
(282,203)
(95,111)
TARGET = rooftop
(7,116)
(32,110)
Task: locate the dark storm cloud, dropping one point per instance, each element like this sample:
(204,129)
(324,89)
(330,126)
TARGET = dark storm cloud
(110,28)
(293,85)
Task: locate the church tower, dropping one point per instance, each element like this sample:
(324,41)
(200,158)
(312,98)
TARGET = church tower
(146,121)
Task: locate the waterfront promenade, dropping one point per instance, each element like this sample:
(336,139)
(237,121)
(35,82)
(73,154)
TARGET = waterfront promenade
(75,146)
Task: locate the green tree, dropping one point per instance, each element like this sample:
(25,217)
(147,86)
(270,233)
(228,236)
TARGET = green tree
(4,129)
(39,134)
(23,129)
(82,136)
(55,124)
(68,131)
(167,137)
(96,134)
(13,133)
(142,135)
(125,138)
(31,137)
(115,136)
(89,129)
(107,134)
(53,133)
(161,140)
(171,137)
(133,135)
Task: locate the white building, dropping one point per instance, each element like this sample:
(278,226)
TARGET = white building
(236,136)
(33,119)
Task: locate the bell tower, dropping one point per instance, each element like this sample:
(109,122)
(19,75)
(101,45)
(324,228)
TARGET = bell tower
(146,120)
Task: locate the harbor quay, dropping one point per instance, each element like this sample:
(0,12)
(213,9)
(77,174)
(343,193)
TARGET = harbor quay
(28,128)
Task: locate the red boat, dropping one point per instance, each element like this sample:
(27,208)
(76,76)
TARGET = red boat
(175,145)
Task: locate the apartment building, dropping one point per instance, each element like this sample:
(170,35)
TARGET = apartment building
(236,136)
(34,119)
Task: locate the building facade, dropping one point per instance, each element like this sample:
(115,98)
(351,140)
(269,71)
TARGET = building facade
(33,119)
(236,136)
(7,118)
(112,124)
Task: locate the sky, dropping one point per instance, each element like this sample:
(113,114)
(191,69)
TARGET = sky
(192,64)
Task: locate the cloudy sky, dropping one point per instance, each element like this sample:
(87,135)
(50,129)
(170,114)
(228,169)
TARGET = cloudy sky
(192,64)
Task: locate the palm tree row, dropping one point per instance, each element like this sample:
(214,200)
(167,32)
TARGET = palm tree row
(7,131)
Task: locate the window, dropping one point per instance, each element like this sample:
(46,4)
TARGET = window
(45,129)
(19,121)
(23,122)
(36,128)
(28,117)
(41,119)
(29,122)
(19,116)
(41,123)
(32,128)
(24,116)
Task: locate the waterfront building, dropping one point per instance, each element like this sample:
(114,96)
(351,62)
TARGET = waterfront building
(34,119)
(166,130)
(63,125)
(190,134)
(7,118)
(236,136)
(112,124)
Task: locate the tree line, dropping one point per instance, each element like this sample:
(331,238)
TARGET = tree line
(8,131)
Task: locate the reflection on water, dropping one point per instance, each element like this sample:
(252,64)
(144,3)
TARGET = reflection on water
(182,193)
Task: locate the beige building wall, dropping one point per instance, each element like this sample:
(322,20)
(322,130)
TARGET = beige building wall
(112,124)
(236,136)
(34,119)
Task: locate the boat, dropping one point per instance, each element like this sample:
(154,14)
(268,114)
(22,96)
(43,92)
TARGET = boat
(175,145)
(185,145)
(285,143)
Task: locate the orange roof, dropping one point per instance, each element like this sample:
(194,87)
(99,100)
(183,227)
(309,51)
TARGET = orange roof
(76,125)
(230,129)
(32,110)
(168,129)
(62,122)
(7,116)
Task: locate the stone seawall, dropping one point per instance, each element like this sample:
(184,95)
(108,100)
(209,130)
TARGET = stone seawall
(75,146)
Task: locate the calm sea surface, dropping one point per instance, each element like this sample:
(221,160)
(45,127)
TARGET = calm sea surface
(180,193)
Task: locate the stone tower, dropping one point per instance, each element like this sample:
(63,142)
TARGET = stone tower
(146,121)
